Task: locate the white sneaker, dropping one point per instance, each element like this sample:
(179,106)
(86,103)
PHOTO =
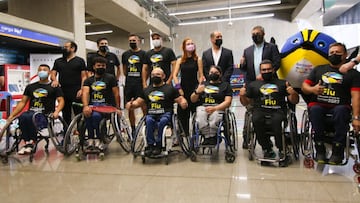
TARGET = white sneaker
(27,148)
(98,144)
(44,132)
(90,142)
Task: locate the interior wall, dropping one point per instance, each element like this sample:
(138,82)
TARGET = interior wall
(53,13)
(238,36)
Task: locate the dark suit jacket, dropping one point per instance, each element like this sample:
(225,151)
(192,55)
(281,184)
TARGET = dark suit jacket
(270,52)
(226,62)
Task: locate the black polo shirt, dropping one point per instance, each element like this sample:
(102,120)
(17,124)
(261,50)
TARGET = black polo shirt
(112,61)
(69,71)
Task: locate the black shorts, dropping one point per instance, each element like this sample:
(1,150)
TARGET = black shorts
(132,90)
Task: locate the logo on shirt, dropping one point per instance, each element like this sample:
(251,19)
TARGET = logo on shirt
(40,92)
(134,59)
(332,78)
(210,89)
(268,89)
(98,86)
(156,96)
(156,58)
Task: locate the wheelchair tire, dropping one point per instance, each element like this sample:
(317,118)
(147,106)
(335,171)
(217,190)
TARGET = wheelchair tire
(138,141)
(294,135)
(57,137)
(122,132)
(251,138)
(184,140)
(306,143)
(73,134)
(230,157)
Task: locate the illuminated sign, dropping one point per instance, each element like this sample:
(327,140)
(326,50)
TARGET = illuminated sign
(24,34)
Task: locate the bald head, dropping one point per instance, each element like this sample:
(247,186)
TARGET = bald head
(158,72)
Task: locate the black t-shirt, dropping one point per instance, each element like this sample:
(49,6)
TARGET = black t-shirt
(215,93)
(42,97)
(159,99)
(112,61)
(101,89)
(268,94)
(338,86)
(134,62)
(160,59)
(70,71)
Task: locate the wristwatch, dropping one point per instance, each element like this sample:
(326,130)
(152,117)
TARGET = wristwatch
(355,61)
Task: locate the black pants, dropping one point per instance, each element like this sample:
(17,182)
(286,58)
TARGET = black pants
(265,121)
(70,97)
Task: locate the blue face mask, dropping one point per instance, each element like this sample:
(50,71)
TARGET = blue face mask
(43,74)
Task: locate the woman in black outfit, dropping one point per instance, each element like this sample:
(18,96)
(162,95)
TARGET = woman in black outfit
(190,68)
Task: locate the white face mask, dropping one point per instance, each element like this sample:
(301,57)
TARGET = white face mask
(156,43)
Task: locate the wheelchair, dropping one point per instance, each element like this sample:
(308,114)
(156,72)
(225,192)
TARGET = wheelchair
(173,135)
(112,125)
(227,132)
(290,140)
(308,145)
(11,135)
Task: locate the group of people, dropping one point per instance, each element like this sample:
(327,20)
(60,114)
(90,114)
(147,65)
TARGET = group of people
(201,85)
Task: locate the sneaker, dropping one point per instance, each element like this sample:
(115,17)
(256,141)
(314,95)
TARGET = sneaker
(148,150)
(320,153)
(337,155)
(156,150)
(98,144)
(27,148)
(44,132)
(269,154)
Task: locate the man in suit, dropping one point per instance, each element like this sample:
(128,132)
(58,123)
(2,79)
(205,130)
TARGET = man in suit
(254,54)
(252,57)
(218,56)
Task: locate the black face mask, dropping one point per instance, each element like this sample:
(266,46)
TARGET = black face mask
(156,80)
(133,45)
(218,42)
(258,39)
(214,77)
(267,76)
(335,59)
(65,53)
(100,71)
(104,49)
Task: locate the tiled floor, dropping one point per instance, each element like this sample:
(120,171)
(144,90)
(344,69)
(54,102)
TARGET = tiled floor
(121,178)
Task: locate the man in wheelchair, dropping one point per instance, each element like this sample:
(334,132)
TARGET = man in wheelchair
(333,93)
(159,98)
(215,96)
(268,97)
(42,97)
(99,90)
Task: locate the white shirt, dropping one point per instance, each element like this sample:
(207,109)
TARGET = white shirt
(258,49)
(216,55)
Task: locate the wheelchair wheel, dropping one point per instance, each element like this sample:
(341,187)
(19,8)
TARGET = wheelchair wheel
(294,134)
(138,141)
(251,138)
(104,128)
(10,137)
(306,142)
(183,139)
(122,132)
(233,132)
(74,134)
(57,129)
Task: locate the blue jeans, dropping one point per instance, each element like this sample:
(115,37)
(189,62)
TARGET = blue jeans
(159,122)
(340,121)
(28,127)
(93,124)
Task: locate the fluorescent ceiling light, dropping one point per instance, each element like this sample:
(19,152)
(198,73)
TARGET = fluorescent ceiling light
(228,19)
(99,32)
(248,5)
(87,23)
